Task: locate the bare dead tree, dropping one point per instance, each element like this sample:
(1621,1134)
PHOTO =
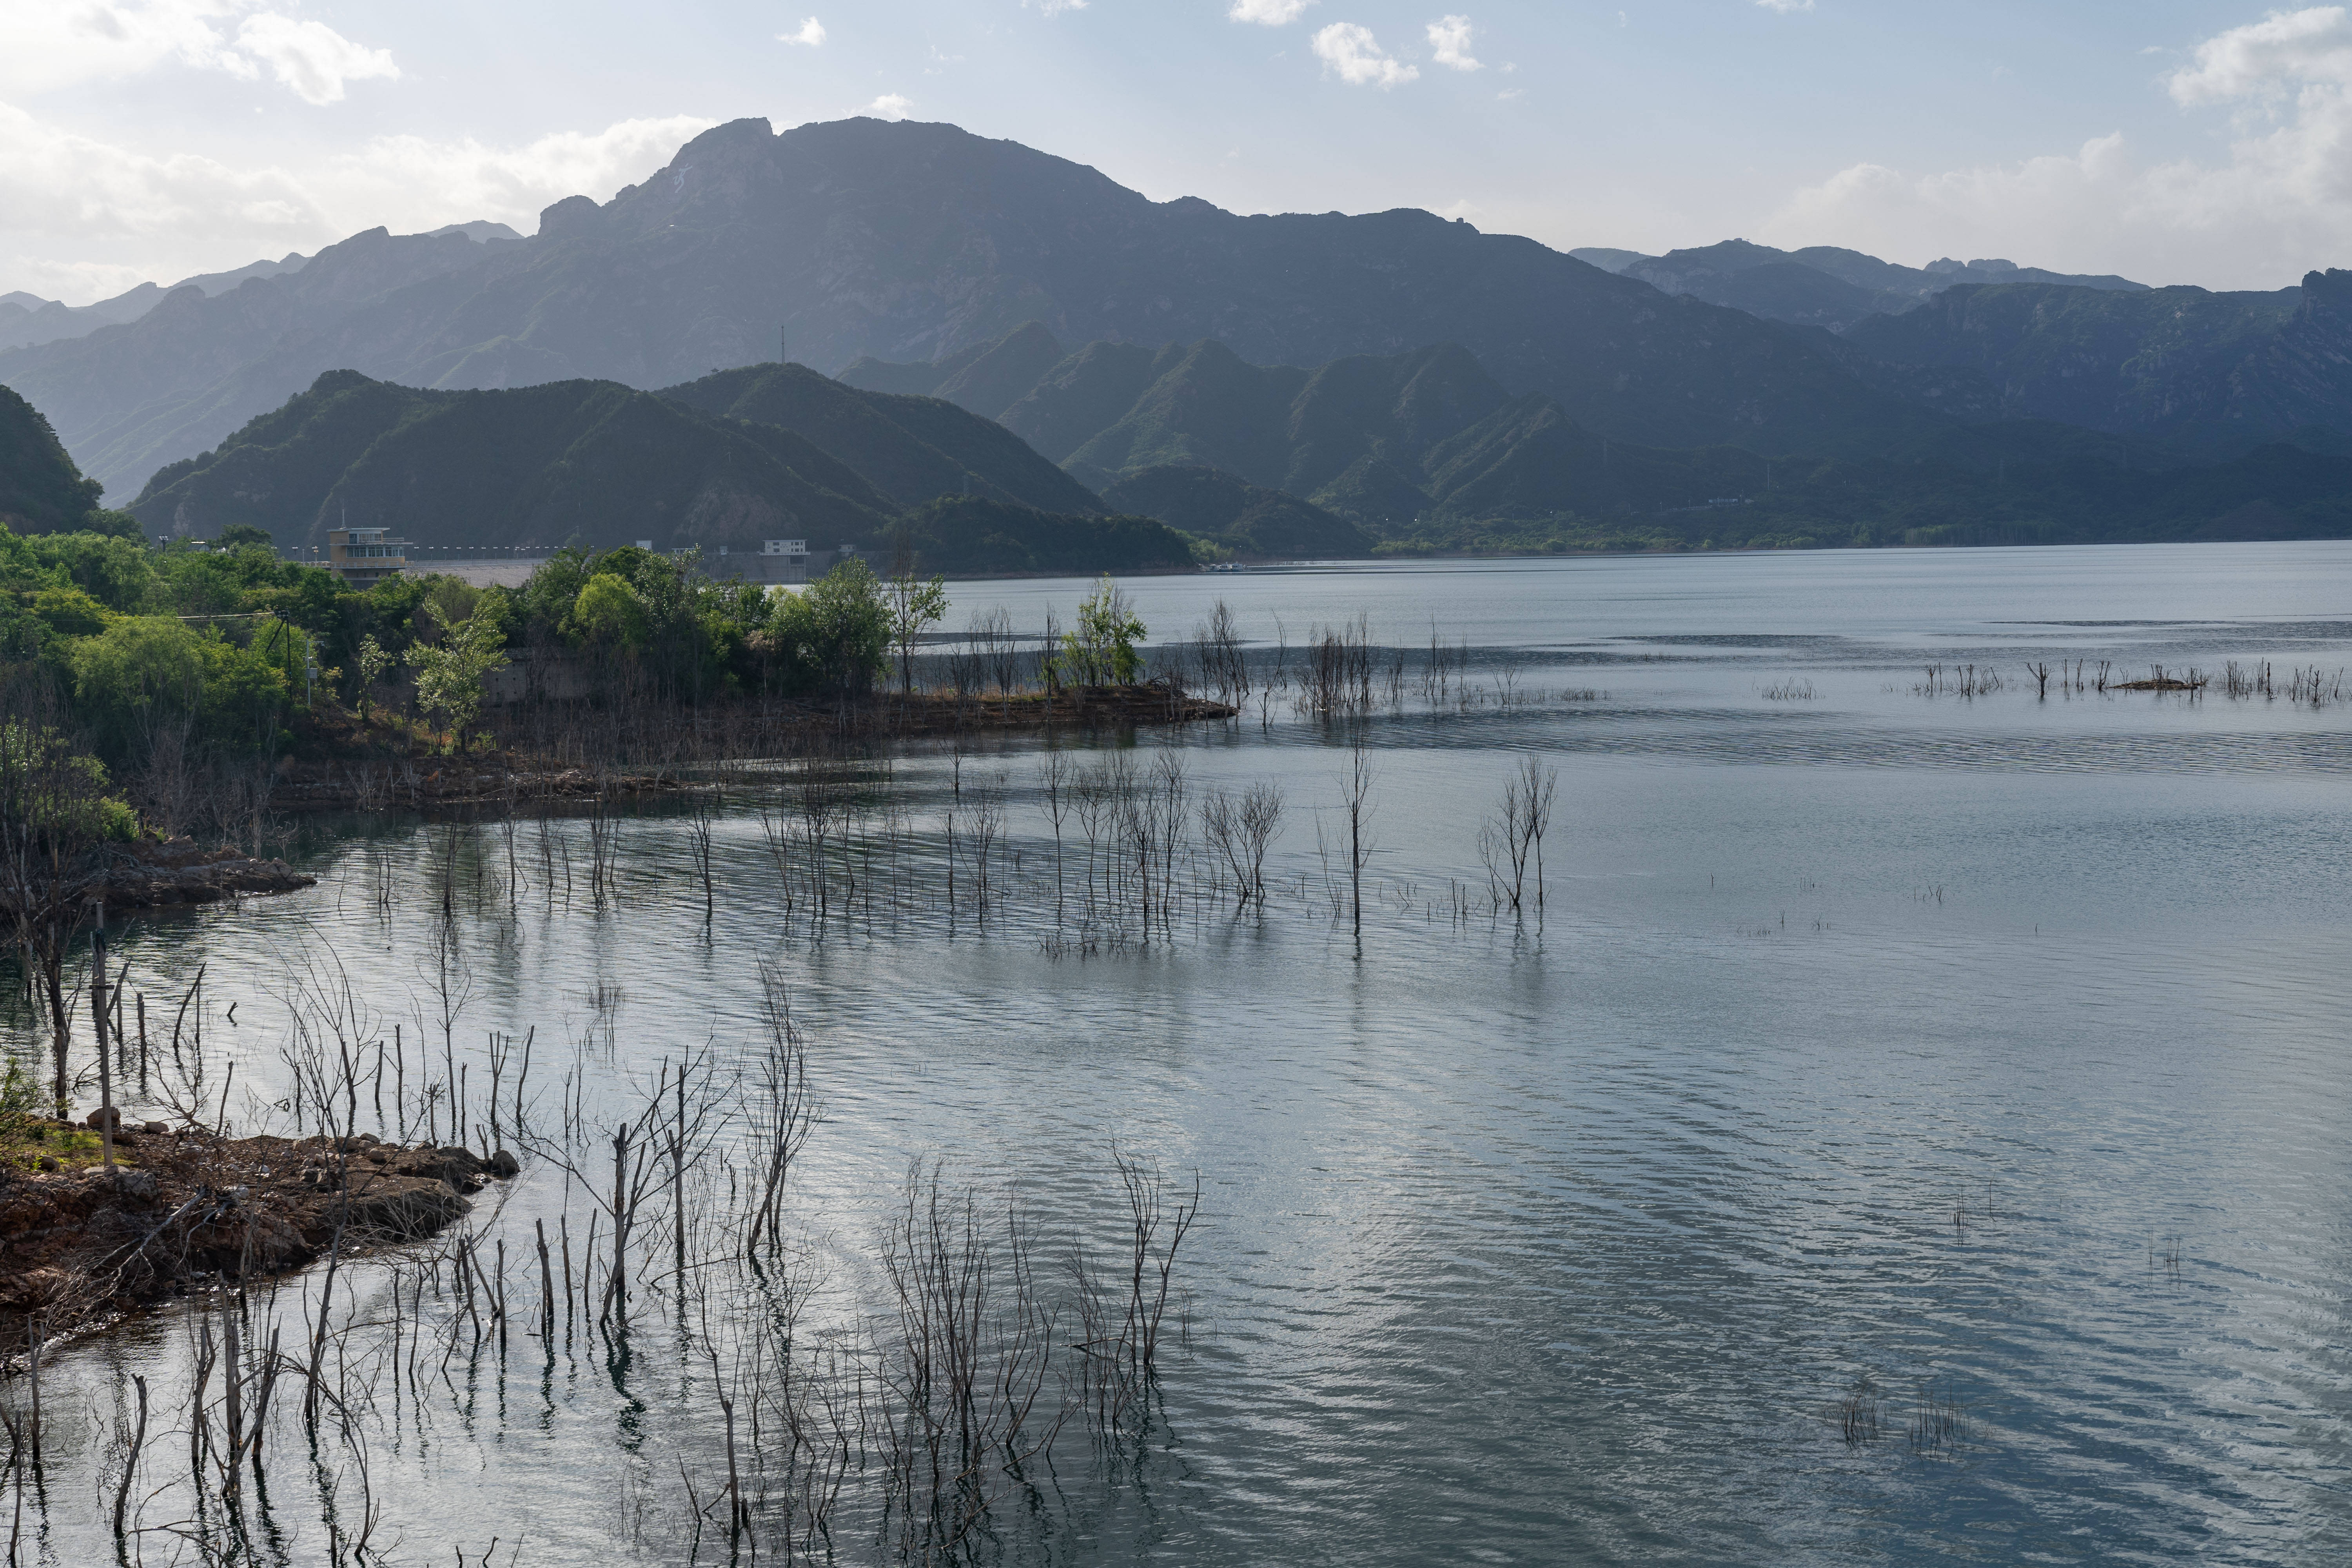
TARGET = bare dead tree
(782,1113)
(1356,789)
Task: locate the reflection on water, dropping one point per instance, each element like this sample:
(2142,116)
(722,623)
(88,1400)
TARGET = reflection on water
(1969,1070)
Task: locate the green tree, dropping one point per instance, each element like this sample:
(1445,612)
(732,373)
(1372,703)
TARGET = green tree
(118,573)
(114,525)
(69,612)
(139,672)
(449,675)
(610,610)
(914,604)
(373,662)
(834,635)
(239,535)
(1100,649)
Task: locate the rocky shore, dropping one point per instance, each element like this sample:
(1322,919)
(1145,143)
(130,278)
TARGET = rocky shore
(160,876)
(152,875)
(79,1243)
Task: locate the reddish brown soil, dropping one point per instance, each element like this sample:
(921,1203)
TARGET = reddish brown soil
(77,1245)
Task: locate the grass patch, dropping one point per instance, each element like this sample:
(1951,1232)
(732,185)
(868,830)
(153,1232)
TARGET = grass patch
(28,1137)
(27,1141)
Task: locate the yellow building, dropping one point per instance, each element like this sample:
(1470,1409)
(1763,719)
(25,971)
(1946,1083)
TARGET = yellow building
(363,557)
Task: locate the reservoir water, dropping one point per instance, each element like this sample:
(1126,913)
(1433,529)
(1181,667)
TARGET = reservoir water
(1972,1065)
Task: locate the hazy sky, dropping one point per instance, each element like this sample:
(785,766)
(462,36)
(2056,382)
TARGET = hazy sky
(2173,141)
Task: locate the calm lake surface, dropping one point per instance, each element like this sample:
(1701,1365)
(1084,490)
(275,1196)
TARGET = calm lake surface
(1983,1055)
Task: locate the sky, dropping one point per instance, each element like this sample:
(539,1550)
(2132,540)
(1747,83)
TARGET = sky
(2167,141)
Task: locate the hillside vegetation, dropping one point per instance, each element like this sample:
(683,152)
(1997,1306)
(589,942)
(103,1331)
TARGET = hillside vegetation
(910,241)
(539,464)
(1424,450)
(909,448)
(1821,285)
(41,488)
(595,464)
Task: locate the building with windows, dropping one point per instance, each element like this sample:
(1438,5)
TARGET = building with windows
(776,560)
(363,557)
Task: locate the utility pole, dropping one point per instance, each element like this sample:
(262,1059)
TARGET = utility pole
(782,357)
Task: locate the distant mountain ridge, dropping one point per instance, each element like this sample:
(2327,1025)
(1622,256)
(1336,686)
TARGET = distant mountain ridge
(2180,363)
(929,261)
(1427,447)
(1377,440)
(904,240)
(1248,519)
(534,466)
(183,377)
(910,449)
(27,319)
(601,464)
(1822,285)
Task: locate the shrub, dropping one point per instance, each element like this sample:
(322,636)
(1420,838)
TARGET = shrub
(609,611)
(834,635)
(1100,650)
(146,669)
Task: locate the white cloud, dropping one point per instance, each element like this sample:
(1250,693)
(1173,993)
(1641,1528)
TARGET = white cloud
(60,184)
(812,34)
(411,184)
(73,282)
(1449,42)
(891,106)
(1054,7)
(48,47)
(81,218)
(2257,61)
(2277,203)
(1351,51)
(1783,7)
(1268,13)
(310,58)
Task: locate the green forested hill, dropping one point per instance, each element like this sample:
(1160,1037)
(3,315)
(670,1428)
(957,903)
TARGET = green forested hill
(1249,519)
(970,536)
(2003,484)
(582,460)
(597,464)
(1425,449)
(41,488)
(2186,364)
(909,448)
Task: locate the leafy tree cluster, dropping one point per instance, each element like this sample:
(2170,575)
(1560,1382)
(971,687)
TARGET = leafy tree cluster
(211,654)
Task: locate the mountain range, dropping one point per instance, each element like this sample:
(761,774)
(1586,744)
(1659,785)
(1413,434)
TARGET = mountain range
(1018,329)
(29,319)
(1426,450)
(1822,285)
(911,241)
(721,464)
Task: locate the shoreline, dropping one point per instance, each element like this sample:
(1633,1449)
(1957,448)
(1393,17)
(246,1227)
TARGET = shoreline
(80,1247)
(410,782)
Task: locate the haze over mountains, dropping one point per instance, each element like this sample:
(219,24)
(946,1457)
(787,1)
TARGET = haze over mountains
(29,319)
(1822,285)
(1303,384)
(909,241)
